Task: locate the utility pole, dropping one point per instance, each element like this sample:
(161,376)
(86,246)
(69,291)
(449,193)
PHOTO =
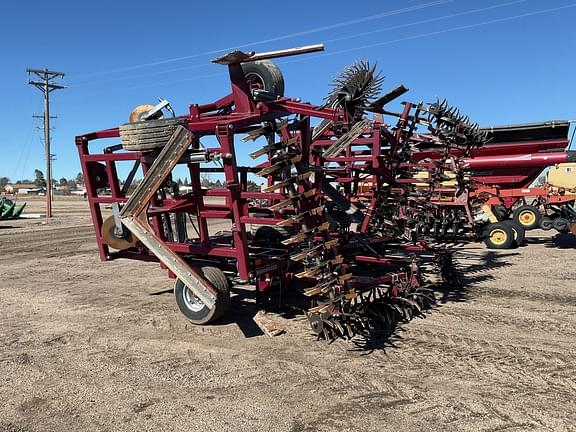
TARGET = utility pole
(46,85)
(51,158)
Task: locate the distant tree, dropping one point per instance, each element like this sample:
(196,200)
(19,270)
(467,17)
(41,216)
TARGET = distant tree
(79,179)
(63,181)
(133,185)
(39,179)
(4,181)
(252,186)
(204,180)
(186,181)
(180,182)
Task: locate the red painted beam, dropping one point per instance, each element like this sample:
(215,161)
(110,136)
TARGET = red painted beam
(533,160)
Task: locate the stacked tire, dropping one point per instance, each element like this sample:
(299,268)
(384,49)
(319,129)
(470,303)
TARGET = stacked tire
(149,135)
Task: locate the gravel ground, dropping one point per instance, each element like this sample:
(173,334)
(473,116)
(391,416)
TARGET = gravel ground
(92,346)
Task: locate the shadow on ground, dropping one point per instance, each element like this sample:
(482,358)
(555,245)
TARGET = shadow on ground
(461,272)
(560,240)
(468,270)
(286,302)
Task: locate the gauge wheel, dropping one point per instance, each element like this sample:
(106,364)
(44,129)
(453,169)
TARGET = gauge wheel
(193,308)
(499,236)
(528,216)
(561,224)
(546,223)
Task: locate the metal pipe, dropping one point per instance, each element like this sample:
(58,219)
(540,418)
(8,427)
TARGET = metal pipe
(520,161)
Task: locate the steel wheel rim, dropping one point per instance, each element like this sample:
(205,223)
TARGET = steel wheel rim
(527,217)
(498,236)
(255,81)
(192,302)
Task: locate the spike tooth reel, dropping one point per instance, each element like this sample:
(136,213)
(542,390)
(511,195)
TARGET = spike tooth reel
(450,130)
(313,245)
(355,87)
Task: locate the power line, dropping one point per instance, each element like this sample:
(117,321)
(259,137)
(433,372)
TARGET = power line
(358,48)
(23,151)
(279,38)
(426,21)
(434,33)
(122,78)
(355,35)
(147,85)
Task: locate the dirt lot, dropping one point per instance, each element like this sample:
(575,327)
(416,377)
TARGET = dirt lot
(91,346)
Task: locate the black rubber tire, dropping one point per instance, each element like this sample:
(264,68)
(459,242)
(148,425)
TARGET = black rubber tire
(519,232)
(502,228)
(520,212)
(546,223)
(203,315)
(500,211)
(561,224)
(266,74)
(149,134)
(270,235)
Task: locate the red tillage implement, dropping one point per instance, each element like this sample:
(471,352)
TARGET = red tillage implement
(354,250)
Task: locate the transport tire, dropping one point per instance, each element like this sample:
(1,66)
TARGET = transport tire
(519,232)
(499,235)
(561,224)
(193,308)
(149,134)
(546,223)
(528,216)
(264,75)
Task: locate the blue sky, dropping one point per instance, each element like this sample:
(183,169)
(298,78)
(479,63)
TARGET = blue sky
(500,62)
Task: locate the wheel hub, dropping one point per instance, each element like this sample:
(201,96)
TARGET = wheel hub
(527,217)
(192,302)
(255,81)
(498,236)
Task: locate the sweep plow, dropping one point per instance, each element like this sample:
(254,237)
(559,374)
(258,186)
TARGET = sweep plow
(343,214)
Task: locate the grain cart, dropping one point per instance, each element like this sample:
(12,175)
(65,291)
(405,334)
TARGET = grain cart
(358,281)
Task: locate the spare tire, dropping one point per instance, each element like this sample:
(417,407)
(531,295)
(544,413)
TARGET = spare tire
(264,75)
(149,134)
